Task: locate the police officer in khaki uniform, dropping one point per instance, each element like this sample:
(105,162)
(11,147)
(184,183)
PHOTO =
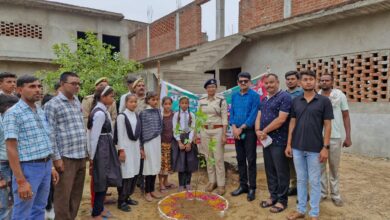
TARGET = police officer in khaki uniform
(215,107)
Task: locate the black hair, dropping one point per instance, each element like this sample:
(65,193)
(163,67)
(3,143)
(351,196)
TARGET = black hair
(129,96)
(25,79)
(57,85)
(150,95)
(99,93)
(46,99)
(244,75)
(4,75)
(7,101)
(165,99)
(65,75)
(308,73)
(292,73)
(272,74)
(328,74)
(188,109)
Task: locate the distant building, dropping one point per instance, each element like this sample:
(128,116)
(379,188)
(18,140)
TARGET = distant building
(29,29)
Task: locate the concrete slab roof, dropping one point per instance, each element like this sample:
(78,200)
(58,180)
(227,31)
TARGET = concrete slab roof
(65,8)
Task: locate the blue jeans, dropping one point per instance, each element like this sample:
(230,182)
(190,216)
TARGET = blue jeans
(39,176)
(308,167)
(6,199)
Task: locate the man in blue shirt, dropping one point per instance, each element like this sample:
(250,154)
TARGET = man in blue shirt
(293,88)
(243,112)
(272,121)
(26,134)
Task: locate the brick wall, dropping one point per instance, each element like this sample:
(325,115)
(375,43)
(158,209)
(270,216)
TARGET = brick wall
(163,36)
(138,45)
(190,27)
(363,77)
(163,32)
(254,13)
(299,7)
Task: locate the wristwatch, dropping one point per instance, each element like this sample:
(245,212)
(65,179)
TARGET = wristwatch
(327,146)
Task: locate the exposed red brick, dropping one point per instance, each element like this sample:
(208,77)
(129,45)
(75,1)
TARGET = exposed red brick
(138,45)
(253,13)
(163,32)
(299,7)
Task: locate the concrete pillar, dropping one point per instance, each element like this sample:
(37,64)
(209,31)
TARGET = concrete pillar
(287,9)
(148,41)
(220,29)
(177,30)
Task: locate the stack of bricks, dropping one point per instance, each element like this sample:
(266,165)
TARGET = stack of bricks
(363,77)
(11,29)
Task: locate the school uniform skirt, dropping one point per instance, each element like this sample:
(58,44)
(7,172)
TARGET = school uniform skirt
(106,166)
(152,161)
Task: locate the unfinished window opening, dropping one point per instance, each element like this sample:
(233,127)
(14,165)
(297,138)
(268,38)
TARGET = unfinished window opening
(114,41)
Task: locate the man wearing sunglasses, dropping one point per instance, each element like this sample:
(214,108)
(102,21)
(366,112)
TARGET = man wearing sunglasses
(243,112)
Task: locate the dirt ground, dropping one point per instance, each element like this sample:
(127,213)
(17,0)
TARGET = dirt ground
(365,188)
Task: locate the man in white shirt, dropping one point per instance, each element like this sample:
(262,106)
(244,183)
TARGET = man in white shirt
(341,115)
(130,80)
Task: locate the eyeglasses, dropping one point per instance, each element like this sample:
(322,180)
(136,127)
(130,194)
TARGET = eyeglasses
(74,83)
(245,81)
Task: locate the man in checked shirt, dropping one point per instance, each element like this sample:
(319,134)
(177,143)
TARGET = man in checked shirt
(64,114)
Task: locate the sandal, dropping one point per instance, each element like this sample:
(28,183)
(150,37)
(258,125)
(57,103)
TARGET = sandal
(276,209)
(170,186)
(266,204)
(163,190)
(107,214)
(124,207)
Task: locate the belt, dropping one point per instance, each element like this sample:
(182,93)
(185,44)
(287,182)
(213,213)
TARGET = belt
(105,134)
(213,126)
(43,160)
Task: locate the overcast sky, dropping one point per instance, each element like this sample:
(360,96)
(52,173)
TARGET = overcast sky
(137,10)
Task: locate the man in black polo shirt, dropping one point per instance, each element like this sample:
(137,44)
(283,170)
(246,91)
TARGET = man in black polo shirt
(272,121)
(308,143)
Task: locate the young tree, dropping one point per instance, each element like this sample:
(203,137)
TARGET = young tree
(92,60)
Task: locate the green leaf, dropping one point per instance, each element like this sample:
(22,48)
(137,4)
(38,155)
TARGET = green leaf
(91,60)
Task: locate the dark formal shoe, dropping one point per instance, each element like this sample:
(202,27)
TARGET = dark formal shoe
(240,190)
(131,202)
(292,191)
(124,207)
(251,195)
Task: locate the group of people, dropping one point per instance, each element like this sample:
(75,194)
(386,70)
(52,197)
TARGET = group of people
(45,147)
(301,131)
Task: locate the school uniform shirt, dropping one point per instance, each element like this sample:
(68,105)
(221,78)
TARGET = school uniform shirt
(131,166)
(184,126)
(98,120)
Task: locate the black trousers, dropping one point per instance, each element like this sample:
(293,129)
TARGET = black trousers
(150,181)
(246,158)
(98,204)
(140,178)
(185,178)
(127,189)
(277,172)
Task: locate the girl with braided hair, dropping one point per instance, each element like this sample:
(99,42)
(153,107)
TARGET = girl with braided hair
(185,152)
